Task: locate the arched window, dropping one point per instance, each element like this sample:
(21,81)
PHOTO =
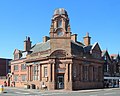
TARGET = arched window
(60,23)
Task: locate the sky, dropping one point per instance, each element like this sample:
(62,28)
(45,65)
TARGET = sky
(21,18)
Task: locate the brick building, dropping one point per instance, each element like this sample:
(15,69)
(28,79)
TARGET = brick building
(18,65)
(4,66)
(60,61)
(5,69)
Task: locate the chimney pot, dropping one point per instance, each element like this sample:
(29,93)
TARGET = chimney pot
(27,44)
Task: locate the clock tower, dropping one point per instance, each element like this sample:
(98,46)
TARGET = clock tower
(60,34)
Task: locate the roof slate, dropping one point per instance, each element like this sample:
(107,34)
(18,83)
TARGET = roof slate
(41,47)
(76,48)
(103,52)
(87,48)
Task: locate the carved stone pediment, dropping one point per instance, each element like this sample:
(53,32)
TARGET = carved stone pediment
(59,53)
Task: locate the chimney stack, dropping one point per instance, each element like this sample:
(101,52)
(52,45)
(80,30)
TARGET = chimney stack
(46,38)
(74,37)
(87,39)
(27,44)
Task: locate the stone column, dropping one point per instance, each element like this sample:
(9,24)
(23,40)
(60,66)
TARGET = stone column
(52,77)
(53,72)
(55,24)
(70,74)
(67,77)
(67,73)
(50,72)
(40,73)
(70,83)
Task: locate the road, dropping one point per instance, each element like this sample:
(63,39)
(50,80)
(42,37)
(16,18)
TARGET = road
(32,92)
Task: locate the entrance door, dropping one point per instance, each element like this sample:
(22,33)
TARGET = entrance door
(60,81)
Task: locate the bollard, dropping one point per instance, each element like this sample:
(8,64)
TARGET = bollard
(1,88)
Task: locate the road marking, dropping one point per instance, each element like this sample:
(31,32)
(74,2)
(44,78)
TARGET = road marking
(107,89)
(10,94)
(46,94)
(22,93)
(18,92)
(26,93)
(53,93)
(93,95)
(109,93)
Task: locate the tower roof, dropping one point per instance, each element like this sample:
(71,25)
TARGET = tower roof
(60,11)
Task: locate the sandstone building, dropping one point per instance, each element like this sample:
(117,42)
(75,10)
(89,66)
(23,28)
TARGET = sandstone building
(60,61)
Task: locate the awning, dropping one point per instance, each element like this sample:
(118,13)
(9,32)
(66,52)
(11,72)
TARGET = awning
(111,77)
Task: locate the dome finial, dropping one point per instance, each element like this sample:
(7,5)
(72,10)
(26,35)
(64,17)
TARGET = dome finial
(60,11)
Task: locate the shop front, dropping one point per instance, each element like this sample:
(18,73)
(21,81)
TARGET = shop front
(111,82)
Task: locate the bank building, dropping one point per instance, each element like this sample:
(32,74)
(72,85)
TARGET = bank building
(60,61)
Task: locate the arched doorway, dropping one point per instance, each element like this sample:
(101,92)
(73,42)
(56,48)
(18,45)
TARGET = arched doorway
(60,67)
(60,81)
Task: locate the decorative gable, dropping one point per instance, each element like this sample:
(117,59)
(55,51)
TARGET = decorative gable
(96,51)
(16,51)
(106,56)
(17,54)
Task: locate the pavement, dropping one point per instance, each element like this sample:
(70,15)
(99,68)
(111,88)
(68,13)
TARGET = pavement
(13,91)
(86,90)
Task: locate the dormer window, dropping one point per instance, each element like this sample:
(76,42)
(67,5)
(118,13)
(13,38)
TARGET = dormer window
(59,23)
(16,56)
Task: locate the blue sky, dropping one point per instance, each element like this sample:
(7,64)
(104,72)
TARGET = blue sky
(21,18)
